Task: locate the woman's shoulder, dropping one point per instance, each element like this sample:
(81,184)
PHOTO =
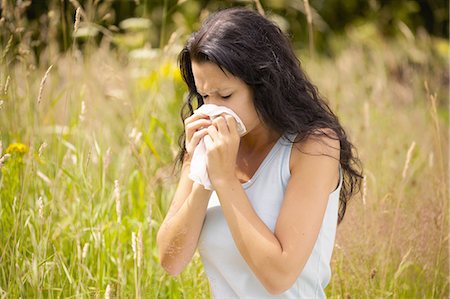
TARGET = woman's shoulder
(322,142)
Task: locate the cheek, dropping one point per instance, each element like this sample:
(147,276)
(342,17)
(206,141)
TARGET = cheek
(250,118)
(246,111)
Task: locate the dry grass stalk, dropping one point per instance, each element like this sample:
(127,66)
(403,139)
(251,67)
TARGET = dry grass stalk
(135,136)
(77,5)
(431,160)
(408,159)
(118,204)
(437,131)
(259,7)
(77,19)
(119,265)
(119,220)
(310,26)
(140,247)
(4,8)
(136,258)
(364,193)
(7,48)
(108,292)
(133,245)
(85,251)
(45,178)
(5,88)
(442,190)
(41,148)
(41,87)
(40,205)
(83,111)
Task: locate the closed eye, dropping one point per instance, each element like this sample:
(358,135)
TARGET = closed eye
(223,97)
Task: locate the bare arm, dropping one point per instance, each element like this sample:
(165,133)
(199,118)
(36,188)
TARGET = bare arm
(178,235)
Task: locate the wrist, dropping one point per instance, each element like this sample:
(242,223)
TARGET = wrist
(198,189)
(187,158)
(225,182)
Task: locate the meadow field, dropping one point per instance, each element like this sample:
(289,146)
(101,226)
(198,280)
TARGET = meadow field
(87,145)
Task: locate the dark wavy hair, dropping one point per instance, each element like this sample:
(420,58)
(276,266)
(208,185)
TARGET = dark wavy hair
(254,49)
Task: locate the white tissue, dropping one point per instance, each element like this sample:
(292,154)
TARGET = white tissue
(198,172)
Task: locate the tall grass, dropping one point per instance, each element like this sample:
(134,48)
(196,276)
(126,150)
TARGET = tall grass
(89,137)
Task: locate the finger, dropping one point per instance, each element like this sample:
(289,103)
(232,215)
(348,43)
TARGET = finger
(221,125)
(195,126)
(197,136)
(208,142)
(212,132)
(231,124)
(194,117)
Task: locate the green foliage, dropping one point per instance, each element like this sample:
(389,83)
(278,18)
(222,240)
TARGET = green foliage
(45,22)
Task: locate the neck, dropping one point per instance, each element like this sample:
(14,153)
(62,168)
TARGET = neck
(259,137)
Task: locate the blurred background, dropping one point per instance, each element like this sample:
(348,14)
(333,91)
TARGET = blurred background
(90,96)
(35,24)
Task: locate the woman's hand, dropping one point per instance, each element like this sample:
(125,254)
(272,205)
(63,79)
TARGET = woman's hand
(222,144)
(195,127)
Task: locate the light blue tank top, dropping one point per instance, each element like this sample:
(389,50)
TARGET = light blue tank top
(228,273)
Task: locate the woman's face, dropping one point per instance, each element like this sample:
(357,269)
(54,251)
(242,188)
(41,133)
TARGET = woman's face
(223,89)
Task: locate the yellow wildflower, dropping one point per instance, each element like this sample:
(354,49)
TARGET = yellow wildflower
(177,76)
(165,69)
(18,148)
(170,70)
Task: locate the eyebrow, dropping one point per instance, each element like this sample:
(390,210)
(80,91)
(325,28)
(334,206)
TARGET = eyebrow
(214,91)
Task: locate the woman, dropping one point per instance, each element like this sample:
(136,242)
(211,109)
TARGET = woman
(268,228)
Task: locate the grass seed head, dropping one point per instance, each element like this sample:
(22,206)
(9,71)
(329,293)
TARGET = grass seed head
(40,205)
(118,204)
(108,292)
(408,159)
(41,87)
(41,148)
(5,88)
(83,111)
(133,245)
(85,250)
(77,19)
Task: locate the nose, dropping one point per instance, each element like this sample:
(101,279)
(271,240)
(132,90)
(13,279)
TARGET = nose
(212,100)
